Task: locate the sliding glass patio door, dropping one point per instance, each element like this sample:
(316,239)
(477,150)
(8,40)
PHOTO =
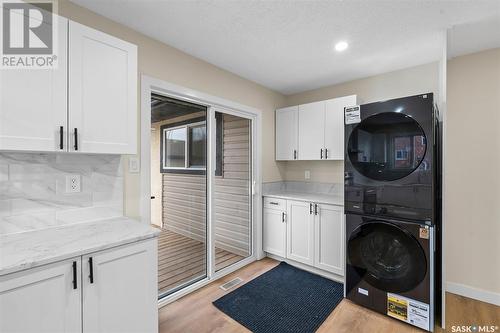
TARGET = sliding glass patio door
(231,194)
(201,190)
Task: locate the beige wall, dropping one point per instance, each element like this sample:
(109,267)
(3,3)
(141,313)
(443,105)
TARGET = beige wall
(472,205)
(410,81)
(167,63)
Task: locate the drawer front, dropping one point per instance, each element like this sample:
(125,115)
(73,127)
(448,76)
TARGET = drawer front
(275,203)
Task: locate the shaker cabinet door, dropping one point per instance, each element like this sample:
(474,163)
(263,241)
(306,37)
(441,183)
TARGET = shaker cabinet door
(43,299)
(102,92)
(33,104)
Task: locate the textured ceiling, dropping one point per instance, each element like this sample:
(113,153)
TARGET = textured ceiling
(288,45)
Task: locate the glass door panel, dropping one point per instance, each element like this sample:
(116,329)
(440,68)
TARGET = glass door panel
(179,191)
(232,190)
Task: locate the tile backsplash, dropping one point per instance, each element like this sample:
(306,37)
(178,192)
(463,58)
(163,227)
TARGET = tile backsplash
(33,190)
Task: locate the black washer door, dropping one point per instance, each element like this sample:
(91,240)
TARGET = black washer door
(387,146)
(386,256)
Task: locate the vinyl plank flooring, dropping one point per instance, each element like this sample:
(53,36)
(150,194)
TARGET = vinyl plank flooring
(196,313)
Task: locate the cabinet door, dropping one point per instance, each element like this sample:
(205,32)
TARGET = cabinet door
(286,133)
(102,92)
(311,130)
(43,299)
(334,126)
(329,239)
(120,289)
(300,232)
(33,103)
(275,232)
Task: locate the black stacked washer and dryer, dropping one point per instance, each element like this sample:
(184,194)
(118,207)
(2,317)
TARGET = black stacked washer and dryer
(392,206)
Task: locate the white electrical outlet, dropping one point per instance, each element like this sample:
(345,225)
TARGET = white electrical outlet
(73,184)
(307,174)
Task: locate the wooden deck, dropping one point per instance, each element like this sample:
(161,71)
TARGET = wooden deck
(182,259)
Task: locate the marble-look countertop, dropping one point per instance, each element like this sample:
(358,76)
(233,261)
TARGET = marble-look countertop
(35,248)
(330,199)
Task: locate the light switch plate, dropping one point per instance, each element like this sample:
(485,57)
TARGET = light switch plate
(307,174)
(134,165)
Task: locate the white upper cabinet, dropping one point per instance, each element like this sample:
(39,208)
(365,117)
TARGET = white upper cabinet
(33,104)
(287,133)
(87,104)
(102,92)
(334,126)
(311,131)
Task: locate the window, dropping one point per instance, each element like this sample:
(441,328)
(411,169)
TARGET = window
(401,155)
(184,147)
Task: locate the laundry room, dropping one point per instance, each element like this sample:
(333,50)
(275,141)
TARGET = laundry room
(250,166)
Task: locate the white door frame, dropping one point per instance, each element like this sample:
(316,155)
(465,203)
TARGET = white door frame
(149,85)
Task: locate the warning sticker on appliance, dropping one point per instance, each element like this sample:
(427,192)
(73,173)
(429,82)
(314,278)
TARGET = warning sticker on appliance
(352,115)
(408,310)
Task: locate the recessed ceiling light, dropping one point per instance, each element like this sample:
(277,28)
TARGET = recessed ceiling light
(341,46)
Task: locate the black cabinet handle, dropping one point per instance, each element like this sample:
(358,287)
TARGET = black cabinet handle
(321,153)
(91,269)
(61,137)
(153,197)
(310,208)
(294,154)
(315,209)
(75,285)
(76,138)
(283,217)
(326,153)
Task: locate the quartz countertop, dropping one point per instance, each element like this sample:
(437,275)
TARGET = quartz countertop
(330,199)
(35,248)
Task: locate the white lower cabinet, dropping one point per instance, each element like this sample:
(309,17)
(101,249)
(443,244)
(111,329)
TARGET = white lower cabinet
(329,239)
(120,292)
(300,232)
(114,290)
(312,234)
(43,299)
(275,231)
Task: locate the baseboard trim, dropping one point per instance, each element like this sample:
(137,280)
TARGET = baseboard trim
(474,293)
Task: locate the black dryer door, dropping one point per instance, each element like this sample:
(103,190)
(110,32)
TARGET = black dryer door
(387,146)
(387,257)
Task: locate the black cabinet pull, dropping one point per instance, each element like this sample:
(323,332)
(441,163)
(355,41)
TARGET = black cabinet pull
(283,217)
(61,137)
(326,153)
(91,269)
(315,209)
(76,138)
(153,197)
(75,285)
(294,154)
(310,208)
